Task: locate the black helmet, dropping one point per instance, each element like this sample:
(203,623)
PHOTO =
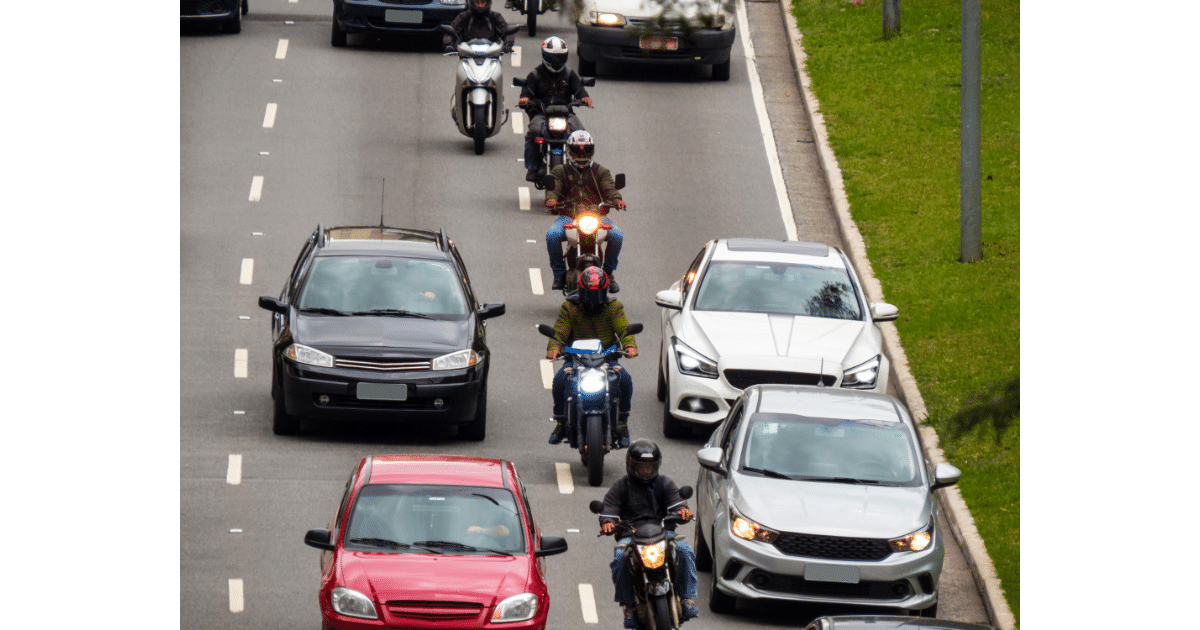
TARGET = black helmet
(481,7)
(643,460)
(593,289)
(554,54)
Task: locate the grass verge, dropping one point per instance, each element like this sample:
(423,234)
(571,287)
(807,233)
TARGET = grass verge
(892,111)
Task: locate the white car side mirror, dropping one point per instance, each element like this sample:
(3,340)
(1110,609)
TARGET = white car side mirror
(710,459)
(669,299)
(945,475)
(884,312)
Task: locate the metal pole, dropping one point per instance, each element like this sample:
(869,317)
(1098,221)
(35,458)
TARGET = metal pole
(891,18)
(970,162)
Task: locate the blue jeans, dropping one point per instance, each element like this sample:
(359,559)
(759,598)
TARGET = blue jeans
(562,383)
(556,235)
(537,128)
(623,581)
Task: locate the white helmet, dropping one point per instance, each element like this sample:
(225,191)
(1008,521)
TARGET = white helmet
(554,54)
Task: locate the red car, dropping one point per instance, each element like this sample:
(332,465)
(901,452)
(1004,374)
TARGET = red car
(433,541)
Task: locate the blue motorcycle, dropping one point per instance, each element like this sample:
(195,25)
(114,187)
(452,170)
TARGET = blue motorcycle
(593,395)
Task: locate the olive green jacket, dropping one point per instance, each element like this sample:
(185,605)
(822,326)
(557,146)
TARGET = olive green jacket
(573,324)
(589,187)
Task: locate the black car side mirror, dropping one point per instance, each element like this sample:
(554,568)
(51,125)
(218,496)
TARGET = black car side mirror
(491,309)
(588,81)
(619,180)
(319,538)
(551,545)
(273,304)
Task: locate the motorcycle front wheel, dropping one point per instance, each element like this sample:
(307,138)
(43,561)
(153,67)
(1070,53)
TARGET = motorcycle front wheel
(662,612)
(479,131)
(531,13)
(594,449)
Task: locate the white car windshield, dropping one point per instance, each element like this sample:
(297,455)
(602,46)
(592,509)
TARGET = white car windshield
(435,519)
(786,289)
(814,449)
(362,285)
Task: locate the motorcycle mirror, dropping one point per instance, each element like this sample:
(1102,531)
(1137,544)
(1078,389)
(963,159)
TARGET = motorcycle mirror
(447,29)
(633,329)
(685,492)
(619,179)
(511,30)
(588,81)
(595,507)
(518,81)
(547,330)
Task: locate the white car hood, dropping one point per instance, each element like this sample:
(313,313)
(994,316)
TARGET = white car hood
(831,509)
(786,336)
(649,8)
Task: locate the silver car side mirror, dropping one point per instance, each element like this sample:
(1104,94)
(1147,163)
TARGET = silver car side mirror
(669,299)
(945,475)
(884,312)
(710,459)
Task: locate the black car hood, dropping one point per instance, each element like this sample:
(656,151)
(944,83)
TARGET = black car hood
(412,335)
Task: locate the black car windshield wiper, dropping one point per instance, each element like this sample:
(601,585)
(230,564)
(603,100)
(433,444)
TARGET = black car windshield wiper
(324,311)
(379,542)
(391,312)
(453,545)
(768,473)
(849,480)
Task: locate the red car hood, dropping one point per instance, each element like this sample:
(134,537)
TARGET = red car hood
(484,580)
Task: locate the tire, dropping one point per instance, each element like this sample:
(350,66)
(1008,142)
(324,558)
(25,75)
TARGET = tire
(281,422)
(586,68)
(233,25)
(704,559)
(476,429)
(662,379)
(338,37)
(594,454)
(672,426)
(531,13)
(929,613)
(245,7)
(661,606)
(719,602)
(721,71)
(479,131)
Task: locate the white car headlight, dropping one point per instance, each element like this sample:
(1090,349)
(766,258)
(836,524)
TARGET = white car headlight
(653,556)
(308,356)
(916,541)
(607,19)
(456,360)
(692,362)
(863,375)
(516,608)
(593,381)
(351,603)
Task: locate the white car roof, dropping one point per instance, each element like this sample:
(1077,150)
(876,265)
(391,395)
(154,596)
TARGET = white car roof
(773,251)
(836,404)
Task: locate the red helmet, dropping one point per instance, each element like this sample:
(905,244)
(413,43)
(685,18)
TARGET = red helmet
(593,288)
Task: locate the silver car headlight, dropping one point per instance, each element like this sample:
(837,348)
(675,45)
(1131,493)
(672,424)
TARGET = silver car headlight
(308,356)
(692,362)
(916,541)
(653,556)
(606,19)
(863,375)
(516,608)
(349,602)
(456,360)
(747,529)
(593,381)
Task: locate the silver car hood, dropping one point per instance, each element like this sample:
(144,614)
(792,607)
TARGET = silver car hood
(759,334)
(831,509)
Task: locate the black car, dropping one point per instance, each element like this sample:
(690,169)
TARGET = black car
(227,13)
(379,323)
(884,622)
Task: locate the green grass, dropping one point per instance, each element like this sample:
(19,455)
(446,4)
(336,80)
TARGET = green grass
(892,110)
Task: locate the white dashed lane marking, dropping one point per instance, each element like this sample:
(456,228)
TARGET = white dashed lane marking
(518,124)
(516,57)
(237,602)
(281,50)
(247,276)
(547,373)
(566,485)
(535,281)
(587,603)
(256,185)
(233,476)
(269,117)
(523,197)
(241,361)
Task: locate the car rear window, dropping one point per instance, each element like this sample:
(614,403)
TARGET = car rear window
(781,288)
(411,514)
(361,284)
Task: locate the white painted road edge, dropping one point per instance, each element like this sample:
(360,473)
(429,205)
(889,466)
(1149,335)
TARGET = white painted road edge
(962,525)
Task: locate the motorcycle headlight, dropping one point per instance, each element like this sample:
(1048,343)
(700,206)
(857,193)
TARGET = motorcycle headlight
(863,375)
(692,362)
(743,527)
(592,382)
(653,556)
(587,224)
(516,608)
(456,360)
(351,603)
(557,124)
(607,19)
(916,541)
(308,356)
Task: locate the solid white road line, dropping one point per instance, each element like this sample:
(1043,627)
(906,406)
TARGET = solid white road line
(241,361)
(518,125)
(566,485)
(233,476)
(523,197)
(535,281)
(764,126)
(247,271)
(281,50)
(516,57)
(269,117)
(547,373)
(237,603)
(256,188)
(587,603)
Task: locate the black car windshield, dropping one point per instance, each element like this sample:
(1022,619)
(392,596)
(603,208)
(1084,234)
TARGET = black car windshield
(367,285)
(781,288)
(837,451)
(455,519)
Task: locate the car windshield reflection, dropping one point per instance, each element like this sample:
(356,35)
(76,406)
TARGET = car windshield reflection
(835,451)
(435,519)
(422,288)
(781,288)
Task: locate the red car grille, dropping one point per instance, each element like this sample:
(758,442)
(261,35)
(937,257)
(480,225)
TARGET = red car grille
(434,611)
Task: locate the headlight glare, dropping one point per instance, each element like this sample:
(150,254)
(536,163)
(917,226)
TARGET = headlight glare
(351,603)
(692,362)
(745,528)
(592,381)
(653,556)
(456,360)
(557,124)
(587,224)
(308,356)
(608,19)
(863,375)
(516,608)
(916,541)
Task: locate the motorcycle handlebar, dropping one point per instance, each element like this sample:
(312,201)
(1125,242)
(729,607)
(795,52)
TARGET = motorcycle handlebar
(669,519)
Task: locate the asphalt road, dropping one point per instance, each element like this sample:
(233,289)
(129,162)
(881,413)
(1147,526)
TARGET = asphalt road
(365,131)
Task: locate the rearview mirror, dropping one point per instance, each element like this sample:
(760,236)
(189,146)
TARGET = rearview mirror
(550,546)
(319,538)
(669,299)
(945,475)
(710,459)
(619,180)
(547,330)
(588,81)
(884,312)
(273,304)
(518,81)
(633,329)
(491,309)
(685,492)
(596,507)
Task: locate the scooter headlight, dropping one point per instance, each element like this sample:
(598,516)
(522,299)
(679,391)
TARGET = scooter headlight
(557,124)
(653,556)
(587,223)
(592,382)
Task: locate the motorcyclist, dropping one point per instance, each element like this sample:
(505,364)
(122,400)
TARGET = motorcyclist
(551,83)
(645,495)
(589,314)
(581,181)
(479,21)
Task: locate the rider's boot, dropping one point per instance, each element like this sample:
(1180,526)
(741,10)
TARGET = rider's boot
(631,620)
(559,283)
(689,608)
(556,436)
(613,287)
(623,427)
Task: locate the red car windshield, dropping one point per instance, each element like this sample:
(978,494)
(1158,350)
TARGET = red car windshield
(435,519)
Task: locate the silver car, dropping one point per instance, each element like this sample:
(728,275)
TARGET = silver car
(817,494)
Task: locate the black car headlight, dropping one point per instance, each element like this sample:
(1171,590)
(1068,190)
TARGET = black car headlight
(691,362)
(864,375)
(456,360)
(308,356)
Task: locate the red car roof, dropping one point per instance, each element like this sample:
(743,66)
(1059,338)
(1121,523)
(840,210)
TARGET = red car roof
(450,470)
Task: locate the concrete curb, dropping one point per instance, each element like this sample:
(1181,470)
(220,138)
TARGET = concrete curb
(962,524)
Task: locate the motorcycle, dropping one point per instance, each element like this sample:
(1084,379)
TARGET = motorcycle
(591,424)
(553,145)
(478,95)
(531,9)
(651,558)
(586,236)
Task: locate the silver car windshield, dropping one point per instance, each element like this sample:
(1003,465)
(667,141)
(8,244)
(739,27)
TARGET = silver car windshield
(362,285)
(843,451)
(778,288)
(435,519)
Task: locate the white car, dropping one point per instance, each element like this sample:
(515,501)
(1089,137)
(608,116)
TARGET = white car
(751,311)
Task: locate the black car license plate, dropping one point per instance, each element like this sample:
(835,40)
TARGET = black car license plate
(382,391)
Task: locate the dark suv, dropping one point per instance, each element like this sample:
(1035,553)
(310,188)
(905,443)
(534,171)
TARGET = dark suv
(379,323)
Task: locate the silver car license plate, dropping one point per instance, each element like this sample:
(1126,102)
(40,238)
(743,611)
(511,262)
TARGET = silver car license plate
(830,573)
(405,16)
(382,391)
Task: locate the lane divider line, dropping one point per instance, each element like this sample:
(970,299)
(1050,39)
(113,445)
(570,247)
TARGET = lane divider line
(256,185)
(247,272)
(237,602)
(281,50)
(518,125)
(547,373)
(566,485)
(233,476)
(269,117)
(516,57)
(535,281)
(523,197)
(241,363)
(587,603)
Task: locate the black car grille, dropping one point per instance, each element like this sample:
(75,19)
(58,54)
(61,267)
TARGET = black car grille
(350,402)
(434,611)
(383,366)
(203,7)
(764,581)
(742,379)
(405,1)
(833,547)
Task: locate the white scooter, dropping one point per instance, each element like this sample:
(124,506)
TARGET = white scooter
(478,100)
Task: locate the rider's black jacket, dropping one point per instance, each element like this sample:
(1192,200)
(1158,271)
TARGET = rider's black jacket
(491,26)
(546,88)
(632,500)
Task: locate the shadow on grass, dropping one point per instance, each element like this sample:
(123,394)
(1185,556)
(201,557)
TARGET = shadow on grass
(999,406)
